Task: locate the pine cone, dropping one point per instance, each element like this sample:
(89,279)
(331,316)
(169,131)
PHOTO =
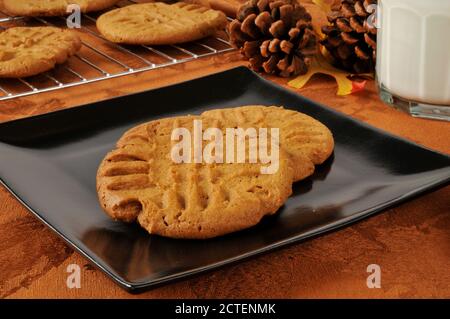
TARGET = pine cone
(349,37)
(276,36)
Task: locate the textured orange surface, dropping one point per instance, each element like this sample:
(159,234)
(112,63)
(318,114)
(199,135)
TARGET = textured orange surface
(411,242)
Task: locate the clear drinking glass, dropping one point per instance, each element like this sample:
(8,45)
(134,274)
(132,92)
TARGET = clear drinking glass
(413,56)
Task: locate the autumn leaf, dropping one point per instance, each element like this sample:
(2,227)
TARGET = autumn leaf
(325,5)
(320,65)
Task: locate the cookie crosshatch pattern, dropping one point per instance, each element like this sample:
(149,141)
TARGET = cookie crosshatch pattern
(307,141)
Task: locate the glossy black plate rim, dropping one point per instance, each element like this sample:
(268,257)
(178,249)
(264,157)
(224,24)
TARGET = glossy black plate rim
(135,287)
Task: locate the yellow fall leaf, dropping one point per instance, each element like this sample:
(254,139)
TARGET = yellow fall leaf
(319,65)
(325,5)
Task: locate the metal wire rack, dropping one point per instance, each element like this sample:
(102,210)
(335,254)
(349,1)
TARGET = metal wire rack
(100,59)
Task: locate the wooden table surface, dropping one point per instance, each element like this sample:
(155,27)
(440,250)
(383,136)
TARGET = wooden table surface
(411,242)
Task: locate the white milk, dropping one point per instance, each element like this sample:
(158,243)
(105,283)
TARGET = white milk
(413,55)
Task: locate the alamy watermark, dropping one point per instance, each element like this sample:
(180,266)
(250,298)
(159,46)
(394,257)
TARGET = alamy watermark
(374,279)
(74,278)
(373,20)
(73,21)
(261,145)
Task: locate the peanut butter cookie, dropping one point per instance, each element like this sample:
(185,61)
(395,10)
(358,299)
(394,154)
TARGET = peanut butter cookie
(27,51)
(33,8)
(160,23)
(140,181)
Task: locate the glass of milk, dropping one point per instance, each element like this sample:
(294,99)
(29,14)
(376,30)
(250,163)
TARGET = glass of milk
(413,56)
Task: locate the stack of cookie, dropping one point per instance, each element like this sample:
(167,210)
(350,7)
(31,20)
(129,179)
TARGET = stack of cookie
(29,51)
(139,179)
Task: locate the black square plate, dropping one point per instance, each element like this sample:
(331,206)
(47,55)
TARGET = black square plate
(50,161)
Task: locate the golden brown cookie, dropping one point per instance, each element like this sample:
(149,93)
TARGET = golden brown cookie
(307,141)
(160,23)
(33,8)
(140,181)
(27,51)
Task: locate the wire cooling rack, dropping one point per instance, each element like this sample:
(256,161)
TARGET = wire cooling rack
(100,59)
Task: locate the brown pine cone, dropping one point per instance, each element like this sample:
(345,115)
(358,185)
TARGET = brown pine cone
(276,36)
(349,37)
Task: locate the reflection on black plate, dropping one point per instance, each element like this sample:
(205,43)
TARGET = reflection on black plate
(50,162)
